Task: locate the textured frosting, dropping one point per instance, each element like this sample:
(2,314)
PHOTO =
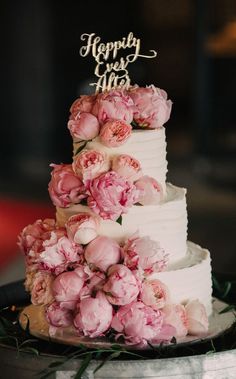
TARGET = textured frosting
(191,278)
(165,222)
(147,146)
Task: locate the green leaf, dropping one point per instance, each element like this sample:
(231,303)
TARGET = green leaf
(83,366)
(84,202)
(80,148)
(119,220)
(227,309)
(29,349)
(56,364)
(116,354)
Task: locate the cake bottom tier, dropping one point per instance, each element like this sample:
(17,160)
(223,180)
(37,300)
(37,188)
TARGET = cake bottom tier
(190,278)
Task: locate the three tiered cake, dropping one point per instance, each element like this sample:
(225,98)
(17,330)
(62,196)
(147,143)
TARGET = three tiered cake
(116,261)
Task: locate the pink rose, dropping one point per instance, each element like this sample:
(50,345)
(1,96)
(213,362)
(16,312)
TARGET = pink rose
(140,324)
(197,318)
(152,109)
(122,286)
(83,127)
(56,257)
(41,291)
(89,164)
(82,104)
(154,293)
(114,133)
(65,188)
(94,316)
(56,316)
(144,253)
(127,167)
(151,191)
(115,104)
(175,315)
(82,228)
(110,195)
(66,289)
(102,252)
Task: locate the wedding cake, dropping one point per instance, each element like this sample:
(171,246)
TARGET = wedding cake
(116,261)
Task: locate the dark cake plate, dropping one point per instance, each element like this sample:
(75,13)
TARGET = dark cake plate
(34,316)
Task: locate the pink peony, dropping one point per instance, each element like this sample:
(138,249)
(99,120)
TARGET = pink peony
(127,167)
(93,285)
(122,286)
(175,315)
(56,257)
(144,253)
(41,291)
(114,133)
(83,127)
(152,109)
(65,188)
(151,191)
(197,318)
(110,195)
(154,293)
(31,234)
(66,289)
(115,104)
(90,163)
(94,316)
(82,228)
(84,103)
(56,316)
(102,252)
(140,324)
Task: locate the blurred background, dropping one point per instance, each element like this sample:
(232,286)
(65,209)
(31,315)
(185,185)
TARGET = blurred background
(42,73)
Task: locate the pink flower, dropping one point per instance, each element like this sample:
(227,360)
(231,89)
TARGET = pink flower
(144,253)
(31,234)
(114,133)
(89,164)
(154,293)
(83,127)
(82,104)
(66,289)
(197,318)
(65,188)
(122,286)
(94,316)
(140,324)
(152,109)
(151,191)
(56,257)
(56,316)
(102,252)
(175,315)
(82,228)
(93,285)
(110,195)
(115,104)
(127,167)
(41,291)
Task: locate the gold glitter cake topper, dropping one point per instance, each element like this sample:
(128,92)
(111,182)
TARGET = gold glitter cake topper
(113,73)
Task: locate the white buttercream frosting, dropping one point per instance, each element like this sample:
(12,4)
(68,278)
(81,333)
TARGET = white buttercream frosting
(165,222)
(190,278)
(147,146)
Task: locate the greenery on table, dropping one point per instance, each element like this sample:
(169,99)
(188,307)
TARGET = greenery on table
(11,334)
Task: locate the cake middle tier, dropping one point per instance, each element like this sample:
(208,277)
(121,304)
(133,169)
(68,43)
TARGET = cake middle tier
(147,146)
(165,222)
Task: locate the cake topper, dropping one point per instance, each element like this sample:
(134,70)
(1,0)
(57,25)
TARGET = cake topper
(112,70)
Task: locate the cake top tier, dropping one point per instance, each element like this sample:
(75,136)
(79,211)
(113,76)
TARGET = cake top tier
(113,114)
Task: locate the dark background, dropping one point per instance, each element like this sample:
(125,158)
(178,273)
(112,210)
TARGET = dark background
(42,73)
